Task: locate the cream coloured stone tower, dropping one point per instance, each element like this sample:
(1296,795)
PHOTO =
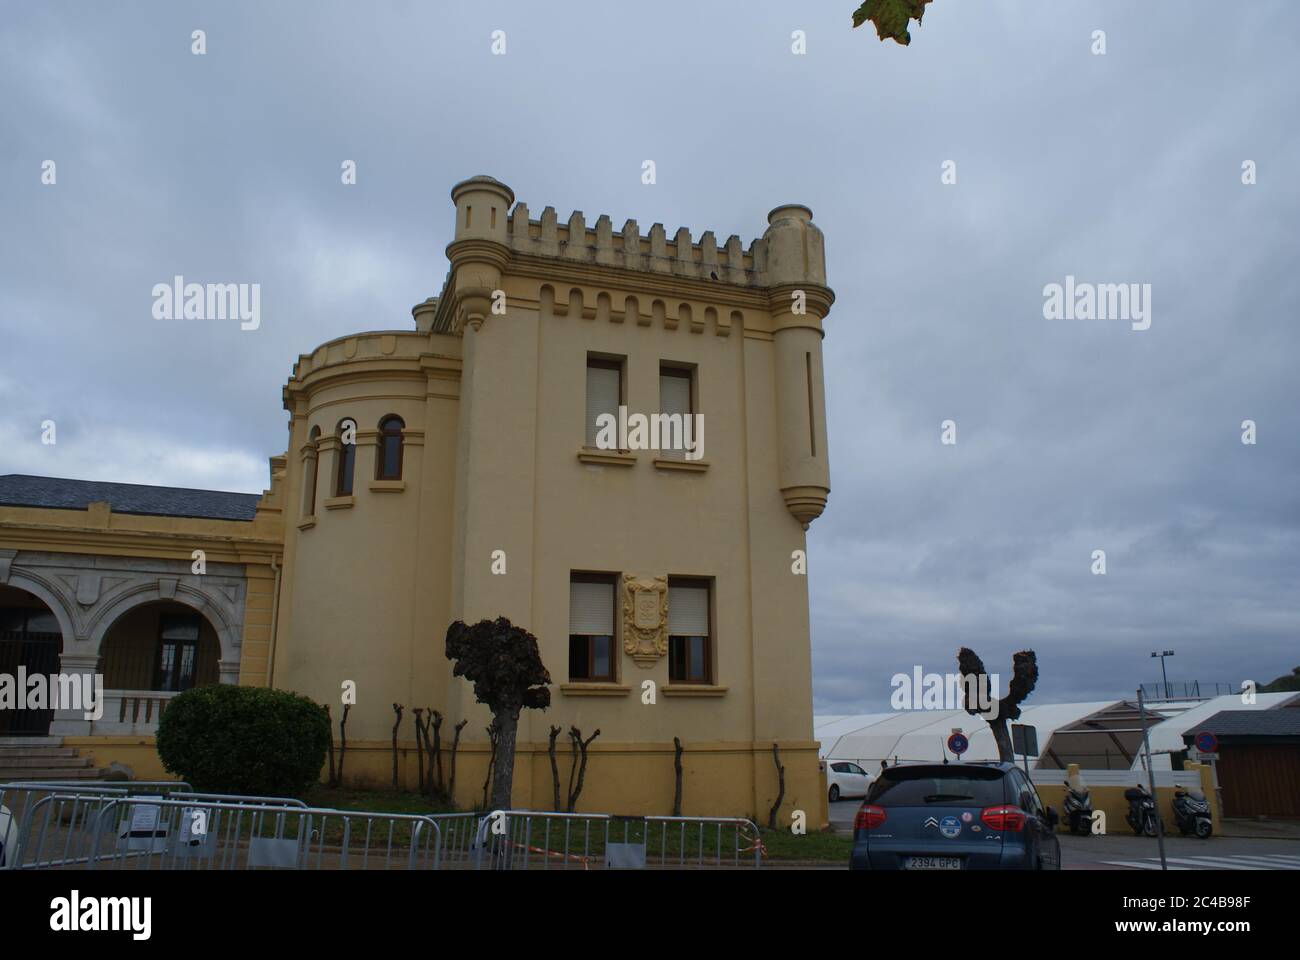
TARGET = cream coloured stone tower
(474,490)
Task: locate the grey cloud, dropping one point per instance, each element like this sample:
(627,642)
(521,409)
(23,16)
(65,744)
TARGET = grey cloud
(1073,435)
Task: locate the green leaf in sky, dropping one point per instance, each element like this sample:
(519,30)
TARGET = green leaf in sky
(890,17)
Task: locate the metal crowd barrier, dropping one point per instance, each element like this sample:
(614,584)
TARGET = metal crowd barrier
(145,833)
(534,840)
(65,822)
(457,834)
(119,827)
(717,837)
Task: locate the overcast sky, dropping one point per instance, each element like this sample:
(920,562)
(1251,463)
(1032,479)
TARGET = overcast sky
(1072,435)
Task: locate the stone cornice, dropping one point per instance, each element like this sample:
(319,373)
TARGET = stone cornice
(475,250)
(553,269)
(120,541)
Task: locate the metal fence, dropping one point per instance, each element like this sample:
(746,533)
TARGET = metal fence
(195,832)
(30,808)
(532,840)
(1186,690)
(143,826)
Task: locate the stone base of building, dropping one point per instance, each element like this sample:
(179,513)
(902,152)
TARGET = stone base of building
(718,779)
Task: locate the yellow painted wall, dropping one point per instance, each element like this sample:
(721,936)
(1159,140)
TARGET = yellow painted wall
(1111,799)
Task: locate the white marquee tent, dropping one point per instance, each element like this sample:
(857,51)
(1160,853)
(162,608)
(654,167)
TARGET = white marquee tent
(1168,734)
(921,735)
(1099,734)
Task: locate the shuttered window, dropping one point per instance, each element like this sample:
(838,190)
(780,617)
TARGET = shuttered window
(591,608)
(604,391)
(688,610)
(690,648)
(591,628)
(674,399)
(674,391)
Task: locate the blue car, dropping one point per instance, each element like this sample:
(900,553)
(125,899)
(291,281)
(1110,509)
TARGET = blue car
(954,816)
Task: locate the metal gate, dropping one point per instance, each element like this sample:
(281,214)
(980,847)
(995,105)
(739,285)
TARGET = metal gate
(37,652)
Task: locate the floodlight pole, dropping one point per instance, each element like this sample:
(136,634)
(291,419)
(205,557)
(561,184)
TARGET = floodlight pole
(1151,777)
(1164,677)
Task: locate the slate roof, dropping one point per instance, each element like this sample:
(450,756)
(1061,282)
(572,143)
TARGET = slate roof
(1251,723)
(21,490)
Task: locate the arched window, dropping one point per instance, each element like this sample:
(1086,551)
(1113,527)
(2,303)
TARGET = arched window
(312,472)
(347,457)
(388,465)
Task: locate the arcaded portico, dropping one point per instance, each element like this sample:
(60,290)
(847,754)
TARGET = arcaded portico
(154,589)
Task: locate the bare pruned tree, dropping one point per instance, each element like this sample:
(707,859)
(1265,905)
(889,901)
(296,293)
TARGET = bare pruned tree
(397,709)
(451,772)
(780,782)
(677,777)
(343,741)
(975,684)
(579,747)
(555,769)
(436,786)
(419,748)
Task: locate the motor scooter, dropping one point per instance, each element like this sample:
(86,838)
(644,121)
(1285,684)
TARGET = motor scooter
(1141,814)
(1078,809)
(1192,813)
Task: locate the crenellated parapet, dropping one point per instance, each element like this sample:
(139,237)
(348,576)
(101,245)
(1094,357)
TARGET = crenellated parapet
(629,249)
(591,270)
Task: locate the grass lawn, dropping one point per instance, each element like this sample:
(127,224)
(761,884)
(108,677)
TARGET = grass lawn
(820,847)
(375,801)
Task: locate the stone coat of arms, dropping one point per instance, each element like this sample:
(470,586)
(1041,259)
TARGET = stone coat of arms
(645,618)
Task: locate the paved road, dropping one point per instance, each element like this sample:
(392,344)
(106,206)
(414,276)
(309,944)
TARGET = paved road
(1127,852)
(1123,851)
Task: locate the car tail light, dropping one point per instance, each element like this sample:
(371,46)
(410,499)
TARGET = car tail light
(1003,818)
(869,817)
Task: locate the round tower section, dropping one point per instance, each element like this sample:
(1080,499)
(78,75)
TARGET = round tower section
(362,528)
(799,300)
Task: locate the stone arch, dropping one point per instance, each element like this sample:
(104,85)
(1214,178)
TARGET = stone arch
(50,594)
(225,622)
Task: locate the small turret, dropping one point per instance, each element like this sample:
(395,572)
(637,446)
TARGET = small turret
(796,249)
(799,299)
(481,248)
(482,208)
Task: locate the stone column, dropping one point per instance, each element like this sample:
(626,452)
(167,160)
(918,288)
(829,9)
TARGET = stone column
(73,722)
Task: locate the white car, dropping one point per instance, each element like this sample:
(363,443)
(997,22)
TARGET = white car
(846,779)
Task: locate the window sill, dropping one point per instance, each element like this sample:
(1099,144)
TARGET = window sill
(686,466)
(340,503)
(306,523)
(597,689)
(693,690)
(607,458)
(387,486)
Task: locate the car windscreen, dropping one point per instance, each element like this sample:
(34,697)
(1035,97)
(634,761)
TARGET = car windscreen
(919,786)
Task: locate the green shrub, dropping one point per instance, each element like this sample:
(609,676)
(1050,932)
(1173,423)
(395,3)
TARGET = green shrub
(248,740)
